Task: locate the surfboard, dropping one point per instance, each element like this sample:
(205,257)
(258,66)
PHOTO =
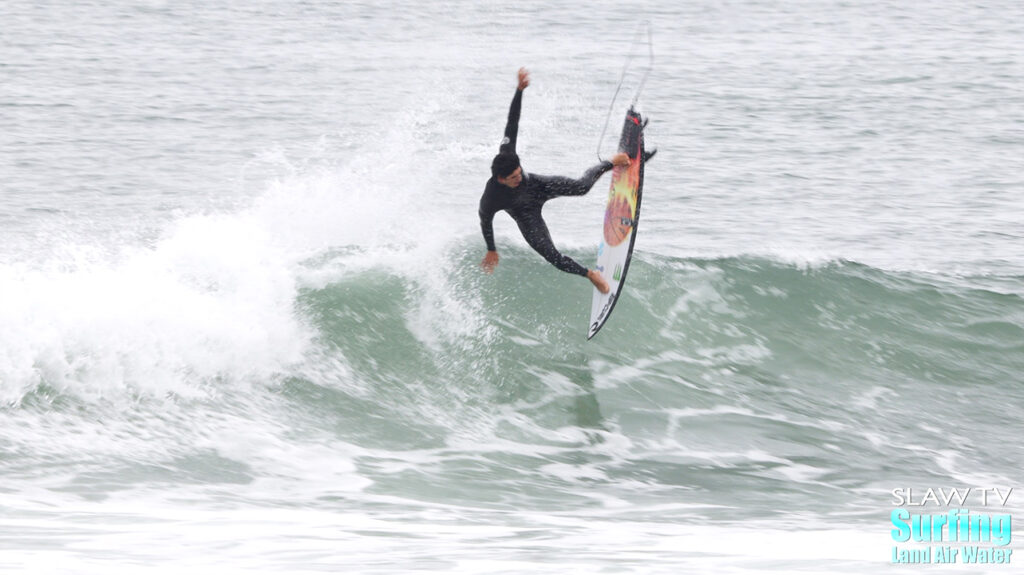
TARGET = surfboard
(621,216)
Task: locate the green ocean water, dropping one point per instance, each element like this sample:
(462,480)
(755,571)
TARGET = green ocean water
(760,397)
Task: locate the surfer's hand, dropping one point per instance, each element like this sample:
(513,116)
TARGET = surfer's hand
(524,79)
(621,159)
(490,260)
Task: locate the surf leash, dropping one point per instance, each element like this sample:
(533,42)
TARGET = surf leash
(637,39)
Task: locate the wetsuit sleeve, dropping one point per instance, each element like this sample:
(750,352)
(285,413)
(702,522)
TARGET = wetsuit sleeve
(487,223)
(508,144)
(591,176)
(555,186)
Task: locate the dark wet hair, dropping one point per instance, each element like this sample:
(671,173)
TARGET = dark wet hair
(504,164)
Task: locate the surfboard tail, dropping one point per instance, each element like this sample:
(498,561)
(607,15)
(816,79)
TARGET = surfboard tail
(632,134)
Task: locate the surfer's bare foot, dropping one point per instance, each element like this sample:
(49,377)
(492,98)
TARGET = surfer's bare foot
(595,278)
(620,159)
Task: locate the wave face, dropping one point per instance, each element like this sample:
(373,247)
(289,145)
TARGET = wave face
(393,387)
(723,392)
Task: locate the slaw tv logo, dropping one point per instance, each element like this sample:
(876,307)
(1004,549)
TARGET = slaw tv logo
(958,532)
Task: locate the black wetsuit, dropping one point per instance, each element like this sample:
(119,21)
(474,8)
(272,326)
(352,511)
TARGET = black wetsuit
(525,201)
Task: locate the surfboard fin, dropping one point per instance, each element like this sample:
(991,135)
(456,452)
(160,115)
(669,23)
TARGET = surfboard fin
(648,154)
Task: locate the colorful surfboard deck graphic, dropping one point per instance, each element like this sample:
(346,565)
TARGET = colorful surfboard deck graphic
(621,217)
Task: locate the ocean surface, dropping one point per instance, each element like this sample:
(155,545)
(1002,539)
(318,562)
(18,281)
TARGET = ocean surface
(243,328)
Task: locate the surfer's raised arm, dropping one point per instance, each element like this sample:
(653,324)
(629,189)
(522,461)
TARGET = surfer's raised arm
(508,143)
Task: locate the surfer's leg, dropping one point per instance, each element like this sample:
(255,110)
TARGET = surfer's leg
(536,233)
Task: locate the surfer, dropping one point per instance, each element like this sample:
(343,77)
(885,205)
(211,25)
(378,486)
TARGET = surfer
(523,195)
